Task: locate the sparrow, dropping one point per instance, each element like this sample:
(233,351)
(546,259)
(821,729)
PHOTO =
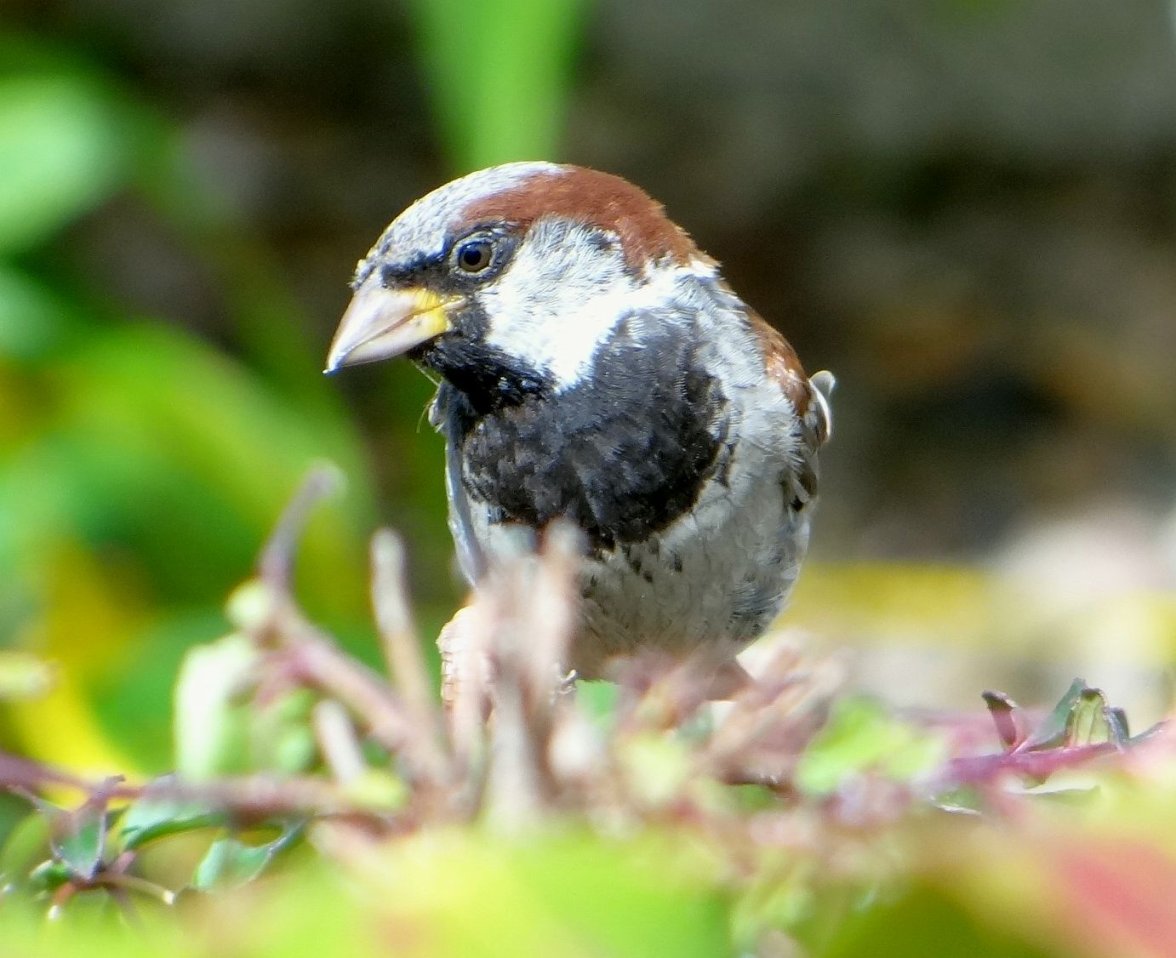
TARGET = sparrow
(594,367)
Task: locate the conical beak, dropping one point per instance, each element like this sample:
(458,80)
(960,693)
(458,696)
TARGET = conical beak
(382,323)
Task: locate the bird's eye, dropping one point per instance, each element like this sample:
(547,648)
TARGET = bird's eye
(474,256)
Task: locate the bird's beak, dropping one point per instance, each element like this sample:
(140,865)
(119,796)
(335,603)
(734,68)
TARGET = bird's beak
(381,323)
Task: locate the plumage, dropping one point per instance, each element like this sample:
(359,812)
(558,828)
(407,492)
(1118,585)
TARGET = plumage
(595,367)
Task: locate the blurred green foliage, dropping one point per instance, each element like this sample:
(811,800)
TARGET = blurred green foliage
(499,74)
(877,856)
(139,465)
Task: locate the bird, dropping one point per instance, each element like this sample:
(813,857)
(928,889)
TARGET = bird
(595,368)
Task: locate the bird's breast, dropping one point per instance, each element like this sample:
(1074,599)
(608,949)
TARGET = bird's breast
(621,453)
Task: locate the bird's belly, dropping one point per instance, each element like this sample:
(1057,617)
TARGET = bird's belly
(714,579)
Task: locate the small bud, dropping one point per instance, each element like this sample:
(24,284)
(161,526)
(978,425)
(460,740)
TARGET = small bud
(251,606)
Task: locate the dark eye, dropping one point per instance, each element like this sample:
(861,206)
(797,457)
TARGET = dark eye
(473,256)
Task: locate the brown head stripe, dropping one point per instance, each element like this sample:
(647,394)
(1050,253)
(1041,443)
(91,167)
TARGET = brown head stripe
(600,199)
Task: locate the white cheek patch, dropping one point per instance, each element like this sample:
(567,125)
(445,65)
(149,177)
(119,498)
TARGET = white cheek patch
(562,296)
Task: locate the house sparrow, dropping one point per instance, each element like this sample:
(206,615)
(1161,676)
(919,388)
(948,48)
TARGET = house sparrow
(594,366)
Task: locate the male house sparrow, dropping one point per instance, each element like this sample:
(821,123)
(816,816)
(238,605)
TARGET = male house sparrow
(595,366)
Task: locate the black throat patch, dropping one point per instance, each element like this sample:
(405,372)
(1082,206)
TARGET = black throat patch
(622,454)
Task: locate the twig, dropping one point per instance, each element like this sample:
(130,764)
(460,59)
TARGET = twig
(514,783)
(247,798)
(322,665)
(465,649)
(337,742)
(19,774)
(313,657)
(258,798)
(402,651)
(982,769)
(548,609)
(276,562)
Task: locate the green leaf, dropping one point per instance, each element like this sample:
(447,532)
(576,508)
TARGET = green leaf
(25,845)
(63,149)
(377,789)
(231,862)
(50,875)
(281,738)
(150,818)
(23,675)
(500,74)
(1055,730)
(1117,727)
(171,416)
(861,737)
(1088,724)
(926,921)
(573,895)
(211,726)
(81,844)
(33,319)
(657,768)
(599,700)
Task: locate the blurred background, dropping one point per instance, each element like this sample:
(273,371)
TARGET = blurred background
(965,208)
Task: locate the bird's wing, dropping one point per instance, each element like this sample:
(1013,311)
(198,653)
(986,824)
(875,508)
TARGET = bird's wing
(809,397)
(470,557)
(469,554)
(815,428)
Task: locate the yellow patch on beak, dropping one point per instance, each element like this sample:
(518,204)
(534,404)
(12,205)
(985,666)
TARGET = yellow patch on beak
(382,323)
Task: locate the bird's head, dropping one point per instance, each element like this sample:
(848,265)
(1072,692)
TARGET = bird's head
(508,279)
